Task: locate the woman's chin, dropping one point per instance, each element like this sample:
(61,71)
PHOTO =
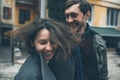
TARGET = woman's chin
(48,57)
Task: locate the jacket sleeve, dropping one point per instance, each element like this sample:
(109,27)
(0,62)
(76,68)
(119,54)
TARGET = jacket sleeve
(103,73)
(101,52)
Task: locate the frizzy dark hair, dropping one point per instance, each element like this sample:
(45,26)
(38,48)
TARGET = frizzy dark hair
(84,5)
(60,35)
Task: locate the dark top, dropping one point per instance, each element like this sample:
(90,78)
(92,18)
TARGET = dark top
(89,59)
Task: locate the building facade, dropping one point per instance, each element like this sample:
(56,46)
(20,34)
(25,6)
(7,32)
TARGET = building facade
(15,14)
(105,13)
(18,13)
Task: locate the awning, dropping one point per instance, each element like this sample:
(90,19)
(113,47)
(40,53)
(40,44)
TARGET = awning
(106,31)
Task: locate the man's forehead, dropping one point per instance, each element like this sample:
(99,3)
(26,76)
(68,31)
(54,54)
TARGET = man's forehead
(72,8)
(75,5)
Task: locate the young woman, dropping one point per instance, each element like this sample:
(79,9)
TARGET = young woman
(50,44)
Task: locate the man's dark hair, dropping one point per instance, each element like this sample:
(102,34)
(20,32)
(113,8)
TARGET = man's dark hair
(84,5)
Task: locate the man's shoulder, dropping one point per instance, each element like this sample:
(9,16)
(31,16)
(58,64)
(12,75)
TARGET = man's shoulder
(98,38)
(93,32)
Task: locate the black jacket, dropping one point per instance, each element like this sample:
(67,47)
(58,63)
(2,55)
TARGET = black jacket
(30,70)
(61,69)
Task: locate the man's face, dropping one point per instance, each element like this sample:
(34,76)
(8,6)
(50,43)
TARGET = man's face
(75,18)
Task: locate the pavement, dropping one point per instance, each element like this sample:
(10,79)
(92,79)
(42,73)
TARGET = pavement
(8,70)
(113,65)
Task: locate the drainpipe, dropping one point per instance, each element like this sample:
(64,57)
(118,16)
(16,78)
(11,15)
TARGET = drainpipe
(42,4)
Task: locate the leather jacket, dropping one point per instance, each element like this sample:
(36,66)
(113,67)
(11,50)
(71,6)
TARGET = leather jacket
(100,49)
(101,53)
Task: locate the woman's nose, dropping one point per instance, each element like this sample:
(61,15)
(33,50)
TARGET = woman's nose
(48,47)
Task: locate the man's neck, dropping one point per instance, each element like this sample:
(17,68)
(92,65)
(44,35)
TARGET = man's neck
(83,29)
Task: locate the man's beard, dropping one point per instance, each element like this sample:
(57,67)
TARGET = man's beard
(76,25)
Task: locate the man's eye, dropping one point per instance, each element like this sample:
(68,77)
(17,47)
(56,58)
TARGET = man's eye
(74,15)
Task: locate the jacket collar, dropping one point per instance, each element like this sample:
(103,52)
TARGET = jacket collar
(87,32)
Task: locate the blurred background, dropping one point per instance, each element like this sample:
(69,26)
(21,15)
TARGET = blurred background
(14,14)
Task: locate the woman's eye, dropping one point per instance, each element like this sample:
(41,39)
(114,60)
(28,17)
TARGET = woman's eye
(42,42)
(53,42)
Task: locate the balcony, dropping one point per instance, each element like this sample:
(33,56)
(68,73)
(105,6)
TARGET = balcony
(27,2)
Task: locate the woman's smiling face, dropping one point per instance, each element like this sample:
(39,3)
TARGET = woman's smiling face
(42,44)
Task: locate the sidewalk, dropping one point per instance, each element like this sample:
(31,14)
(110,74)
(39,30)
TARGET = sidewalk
(113,65)
(7,69)
(5,54)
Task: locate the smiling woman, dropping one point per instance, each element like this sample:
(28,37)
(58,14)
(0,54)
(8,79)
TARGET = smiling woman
(50,44)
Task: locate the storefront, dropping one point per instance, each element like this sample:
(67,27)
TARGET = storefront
(3,29)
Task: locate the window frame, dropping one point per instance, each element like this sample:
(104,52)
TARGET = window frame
(7,13)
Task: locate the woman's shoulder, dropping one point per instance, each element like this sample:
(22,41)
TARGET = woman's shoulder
(27,77)
(29,68)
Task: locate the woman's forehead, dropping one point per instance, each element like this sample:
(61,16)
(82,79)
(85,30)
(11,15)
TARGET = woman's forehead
(43,33)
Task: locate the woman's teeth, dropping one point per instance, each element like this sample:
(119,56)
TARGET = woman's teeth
(47,54)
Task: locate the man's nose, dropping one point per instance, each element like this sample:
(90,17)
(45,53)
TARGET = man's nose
(69,19)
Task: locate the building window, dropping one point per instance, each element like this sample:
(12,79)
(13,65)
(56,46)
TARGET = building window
(7,13)
(24,15)
(112,16)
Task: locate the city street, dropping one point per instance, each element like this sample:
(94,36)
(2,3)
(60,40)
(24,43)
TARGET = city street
(113,65)
(8,71)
